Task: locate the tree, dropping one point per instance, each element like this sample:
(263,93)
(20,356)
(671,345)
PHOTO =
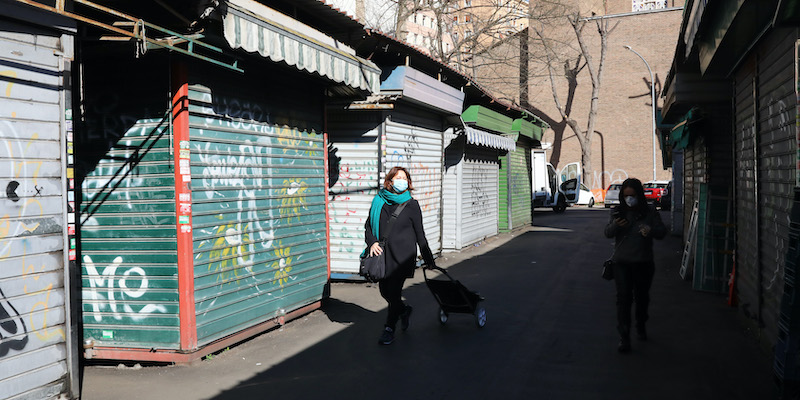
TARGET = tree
(571,66)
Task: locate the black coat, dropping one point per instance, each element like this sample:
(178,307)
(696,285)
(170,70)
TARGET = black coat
(630,245)
(407,233)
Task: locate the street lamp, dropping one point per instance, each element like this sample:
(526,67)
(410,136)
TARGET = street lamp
(653,100)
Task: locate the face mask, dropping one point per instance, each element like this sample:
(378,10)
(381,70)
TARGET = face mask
(631,201)
(400,185)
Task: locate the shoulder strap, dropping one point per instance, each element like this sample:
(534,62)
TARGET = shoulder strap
(396,212)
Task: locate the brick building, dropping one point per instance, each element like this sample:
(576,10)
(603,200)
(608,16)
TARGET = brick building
(623,144)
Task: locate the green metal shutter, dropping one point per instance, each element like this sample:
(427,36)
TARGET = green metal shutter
(128,241)
(515,188)
(520,186)
(258,216)
(503,204)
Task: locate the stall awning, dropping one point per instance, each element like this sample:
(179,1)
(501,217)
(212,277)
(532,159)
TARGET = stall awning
(527,128)
(681,133)
(256,28)
(482,138)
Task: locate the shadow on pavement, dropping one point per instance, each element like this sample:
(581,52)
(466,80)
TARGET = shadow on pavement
(550,334)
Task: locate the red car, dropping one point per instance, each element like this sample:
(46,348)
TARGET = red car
(658,193)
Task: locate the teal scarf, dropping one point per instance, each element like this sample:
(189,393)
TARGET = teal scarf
(384,197)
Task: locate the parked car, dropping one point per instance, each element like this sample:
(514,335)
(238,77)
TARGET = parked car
(612,195)
(666,197)
(585,197)
(655,191)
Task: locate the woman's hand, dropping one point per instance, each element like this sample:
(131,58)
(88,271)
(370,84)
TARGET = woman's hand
(645,230)
(621,222)
(375,250)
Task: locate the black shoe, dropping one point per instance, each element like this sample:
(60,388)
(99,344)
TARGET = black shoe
(624,346)
(387,336)
(404,318)
(641,333)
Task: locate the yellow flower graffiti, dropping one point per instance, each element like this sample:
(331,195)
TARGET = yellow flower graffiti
(296,142)
(229,251)
(293,198)
(283,265)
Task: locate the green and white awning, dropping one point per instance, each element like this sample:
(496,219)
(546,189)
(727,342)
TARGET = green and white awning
(256,28)
(482,138)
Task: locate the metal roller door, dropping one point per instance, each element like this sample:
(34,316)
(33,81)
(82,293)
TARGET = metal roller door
(258,220)
(36,344)
(471,193)
(479,199)
(515,189)
(420,151)
(354,158)
(777,162)
(747,264)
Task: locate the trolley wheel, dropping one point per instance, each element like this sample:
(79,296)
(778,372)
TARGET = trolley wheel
(442,317)
(480,317)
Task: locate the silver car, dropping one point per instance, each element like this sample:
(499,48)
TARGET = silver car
(612,195)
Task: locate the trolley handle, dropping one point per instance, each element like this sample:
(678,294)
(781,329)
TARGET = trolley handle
(435,268)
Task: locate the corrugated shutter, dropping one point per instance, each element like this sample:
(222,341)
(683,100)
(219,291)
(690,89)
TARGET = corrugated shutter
(354,156)
(128,243)
(258,216)
(520,186)
(34,347)
(420,151)
(451,197)
(747,281)
(695,169)
(480,198)
(471,194)
(503,203)
(777,152)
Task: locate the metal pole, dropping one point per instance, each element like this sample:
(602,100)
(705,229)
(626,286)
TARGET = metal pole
(653,100)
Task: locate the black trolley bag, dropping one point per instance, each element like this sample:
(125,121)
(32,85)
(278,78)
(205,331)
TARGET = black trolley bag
(454,297)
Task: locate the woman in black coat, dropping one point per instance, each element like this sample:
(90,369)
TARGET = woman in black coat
(633,225)
(401,247)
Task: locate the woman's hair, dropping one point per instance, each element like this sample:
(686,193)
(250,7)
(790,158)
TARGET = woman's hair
(387,181)
(636,185)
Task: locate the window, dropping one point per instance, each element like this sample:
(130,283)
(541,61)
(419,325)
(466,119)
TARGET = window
(467,33)
(424,20)
(647,5)
(467,18)
(455,19)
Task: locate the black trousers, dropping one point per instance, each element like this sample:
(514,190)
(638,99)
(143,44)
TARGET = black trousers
(633,282)
(391,290)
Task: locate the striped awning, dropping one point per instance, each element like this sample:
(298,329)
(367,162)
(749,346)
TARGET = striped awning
(482,138)
(256,28)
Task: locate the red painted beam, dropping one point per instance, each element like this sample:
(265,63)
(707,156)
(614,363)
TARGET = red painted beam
(183,206)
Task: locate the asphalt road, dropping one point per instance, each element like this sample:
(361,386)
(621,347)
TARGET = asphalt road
(550,334)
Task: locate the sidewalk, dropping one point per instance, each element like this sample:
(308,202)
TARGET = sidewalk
(550,335)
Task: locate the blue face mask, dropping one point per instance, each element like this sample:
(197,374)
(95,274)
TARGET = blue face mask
(400,185)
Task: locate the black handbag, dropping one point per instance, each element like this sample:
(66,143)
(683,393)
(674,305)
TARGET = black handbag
(608,265)
(608,269)
(373,268)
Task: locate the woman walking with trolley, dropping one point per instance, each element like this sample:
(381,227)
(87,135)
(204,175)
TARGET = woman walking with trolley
(401,247)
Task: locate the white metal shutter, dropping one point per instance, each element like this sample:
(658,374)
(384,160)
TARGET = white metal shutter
(420,151)
(451,198)
(480,200)
(35,341)
(353,151)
